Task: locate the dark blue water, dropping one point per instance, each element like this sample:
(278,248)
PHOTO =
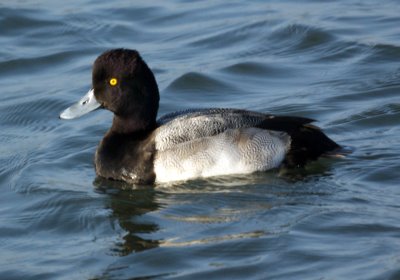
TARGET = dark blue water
(334,61)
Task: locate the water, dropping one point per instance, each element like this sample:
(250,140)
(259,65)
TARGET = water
(334,61)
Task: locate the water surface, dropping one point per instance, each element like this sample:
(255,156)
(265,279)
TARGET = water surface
(334,61)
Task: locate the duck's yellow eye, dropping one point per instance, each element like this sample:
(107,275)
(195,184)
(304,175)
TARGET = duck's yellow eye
(113,82)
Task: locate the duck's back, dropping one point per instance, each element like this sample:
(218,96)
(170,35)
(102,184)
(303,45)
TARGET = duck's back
(192,124)
(210,142)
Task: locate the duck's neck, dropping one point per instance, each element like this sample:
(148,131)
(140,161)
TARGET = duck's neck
(127,152)
(130,124)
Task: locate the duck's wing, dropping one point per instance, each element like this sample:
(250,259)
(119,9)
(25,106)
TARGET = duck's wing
(188,125)
(308,142)
(237,115)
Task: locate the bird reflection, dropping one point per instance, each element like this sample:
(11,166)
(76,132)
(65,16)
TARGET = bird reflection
(127,204)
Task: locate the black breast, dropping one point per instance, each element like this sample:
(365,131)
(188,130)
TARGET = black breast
(126,157)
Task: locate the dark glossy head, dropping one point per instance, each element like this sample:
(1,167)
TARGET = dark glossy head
(125,85)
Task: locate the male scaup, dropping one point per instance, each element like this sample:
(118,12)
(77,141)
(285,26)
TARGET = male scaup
(187,144)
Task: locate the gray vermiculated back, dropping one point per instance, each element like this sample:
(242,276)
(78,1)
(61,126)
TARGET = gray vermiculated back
(192,124)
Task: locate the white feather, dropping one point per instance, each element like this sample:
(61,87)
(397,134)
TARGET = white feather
(234,151)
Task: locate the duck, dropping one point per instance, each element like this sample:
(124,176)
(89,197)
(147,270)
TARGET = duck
(187,144)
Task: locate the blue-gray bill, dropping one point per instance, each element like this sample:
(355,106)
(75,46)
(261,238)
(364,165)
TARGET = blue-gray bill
(87,104)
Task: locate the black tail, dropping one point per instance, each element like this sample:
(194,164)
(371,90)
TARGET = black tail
(308,141)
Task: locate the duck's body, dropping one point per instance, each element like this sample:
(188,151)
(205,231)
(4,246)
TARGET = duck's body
(208,142)
(192,143)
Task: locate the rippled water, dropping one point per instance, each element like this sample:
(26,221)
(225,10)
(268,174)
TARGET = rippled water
(335,61)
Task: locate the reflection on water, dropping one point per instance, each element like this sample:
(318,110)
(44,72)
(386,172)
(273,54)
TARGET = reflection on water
(206,218)
(127,205)
(193,202)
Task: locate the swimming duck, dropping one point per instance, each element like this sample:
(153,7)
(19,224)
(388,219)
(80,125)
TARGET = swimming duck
(193,143)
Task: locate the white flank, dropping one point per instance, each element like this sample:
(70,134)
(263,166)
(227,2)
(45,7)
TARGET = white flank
(235,151)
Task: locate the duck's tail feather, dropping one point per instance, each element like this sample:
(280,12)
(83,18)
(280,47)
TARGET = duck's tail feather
(308,142)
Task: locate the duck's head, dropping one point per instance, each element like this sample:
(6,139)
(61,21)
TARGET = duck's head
(123,84)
